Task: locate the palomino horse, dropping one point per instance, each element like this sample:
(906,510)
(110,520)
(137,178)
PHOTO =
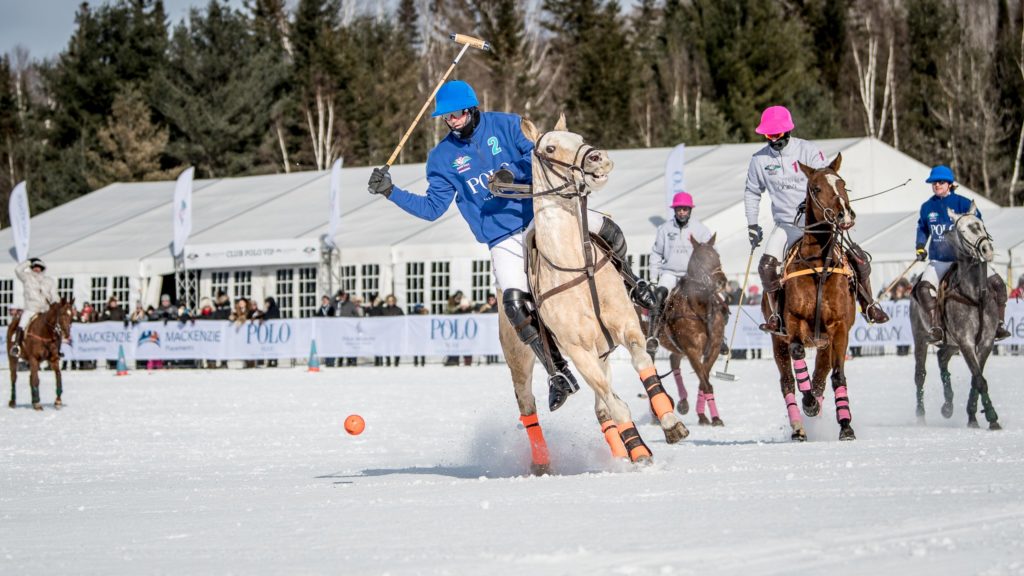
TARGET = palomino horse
(969,315)
(567,272)
(694,325)
(819,304)
(41,341)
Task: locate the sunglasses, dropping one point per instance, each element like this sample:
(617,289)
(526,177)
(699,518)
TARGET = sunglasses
(774,137)
(454,115)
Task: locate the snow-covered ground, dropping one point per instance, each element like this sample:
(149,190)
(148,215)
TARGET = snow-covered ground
(250,472)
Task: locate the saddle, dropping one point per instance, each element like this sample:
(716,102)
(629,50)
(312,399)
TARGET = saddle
(533,257)
(838,255)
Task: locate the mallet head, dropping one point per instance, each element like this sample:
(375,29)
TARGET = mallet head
(471,41)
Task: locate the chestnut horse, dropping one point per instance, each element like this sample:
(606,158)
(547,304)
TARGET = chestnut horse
(818,302)
(580,298)
(694,325)
(42,341)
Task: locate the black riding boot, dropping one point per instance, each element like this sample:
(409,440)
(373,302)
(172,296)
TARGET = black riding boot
(561,383)
(768,269)
(16,345)
(861,263)
(926,297)
(656,312)
(640,291)
(995,284)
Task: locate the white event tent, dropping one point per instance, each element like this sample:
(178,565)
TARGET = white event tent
(261,236)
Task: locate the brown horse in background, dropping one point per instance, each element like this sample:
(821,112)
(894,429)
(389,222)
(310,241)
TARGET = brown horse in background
(819,303)
(694,325)
(42,341)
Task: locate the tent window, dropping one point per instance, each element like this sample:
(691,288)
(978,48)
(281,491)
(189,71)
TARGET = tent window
(413,285)
(645,266)
(98,296)
(440,284)
(348,278)
(371,282)
(243,284)
(481,280)
(66,288)
(219,283)
(285,292)
(307,292)
(121,290)
(6,299)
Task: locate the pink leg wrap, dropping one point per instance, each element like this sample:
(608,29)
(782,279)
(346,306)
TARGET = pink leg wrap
(803,378)
(794,412)
(842,405)
(711,405)
(678,375)
(700,401)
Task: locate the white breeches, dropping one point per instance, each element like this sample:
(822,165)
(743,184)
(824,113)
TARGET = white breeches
(668,280)
(26,316)
(508,257)
(781,237)
(934,272)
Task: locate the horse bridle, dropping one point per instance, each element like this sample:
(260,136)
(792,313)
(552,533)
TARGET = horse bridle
(973,248)
(574,184)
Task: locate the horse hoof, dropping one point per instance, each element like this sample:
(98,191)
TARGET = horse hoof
(920,420)
(799,436)
(676,433)
(644,460)
(994,426)
(813,409)
(716,421)
(703,420)
(683,407)
(920,412)
(973,424)
(947,410)
(10,404)
(37,406)
(846,434)
(540,469)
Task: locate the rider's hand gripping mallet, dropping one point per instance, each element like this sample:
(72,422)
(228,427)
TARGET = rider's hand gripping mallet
(724,375)
(467,43)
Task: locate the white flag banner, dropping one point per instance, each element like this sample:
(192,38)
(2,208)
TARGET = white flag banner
(334,201)
(18,210)
(182,210)
(675,181)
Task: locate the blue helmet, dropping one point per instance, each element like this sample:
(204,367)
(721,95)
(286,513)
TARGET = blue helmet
(453,96)
(941,173)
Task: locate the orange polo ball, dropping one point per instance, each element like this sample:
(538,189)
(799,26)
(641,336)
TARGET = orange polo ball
(354,424)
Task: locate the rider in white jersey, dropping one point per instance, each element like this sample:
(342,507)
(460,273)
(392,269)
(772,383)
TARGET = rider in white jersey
(776,169)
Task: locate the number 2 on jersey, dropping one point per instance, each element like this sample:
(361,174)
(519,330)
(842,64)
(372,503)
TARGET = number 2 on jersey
(493,143)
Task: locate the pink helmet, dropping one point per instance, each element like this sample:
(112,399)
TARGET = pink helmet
(775,120)
(682,199)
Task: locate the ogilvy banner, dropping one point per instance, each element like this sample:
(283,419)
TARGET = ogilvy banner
(464,334)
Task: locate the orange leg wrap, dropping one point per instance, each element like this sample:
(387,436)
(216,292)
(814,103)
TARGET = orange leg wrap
(661,403)
(634,444)
(538,447)
(611,436)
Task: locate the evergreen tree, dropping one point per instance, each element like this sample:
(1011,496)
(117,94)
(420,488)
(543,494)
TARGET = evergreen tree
(217,92)
(502,24)
(130,145)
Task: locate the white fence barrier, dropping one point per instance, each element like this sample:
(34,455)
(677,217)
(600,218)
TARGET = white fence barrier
(469,334)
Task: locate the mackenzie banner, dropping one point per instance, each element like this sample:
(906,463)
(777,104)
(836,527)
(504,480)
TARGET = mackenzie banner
(464,334)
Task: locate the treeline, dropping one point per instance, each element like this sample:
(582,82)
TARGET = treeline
(280,87)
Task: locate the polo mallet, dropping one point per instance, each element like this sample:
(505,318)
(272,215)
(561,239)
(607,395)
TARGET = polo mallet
(724,374)
(900,277)
(467,43)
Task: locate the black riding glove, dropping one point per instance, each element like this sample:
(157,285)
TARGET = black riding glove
(755,234)
(921,253)
(380,182)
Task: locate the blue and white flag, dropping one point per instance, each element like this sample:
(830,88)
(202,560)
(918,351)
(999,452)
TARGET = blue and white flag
(18,210)
(335,204)
(675,181)
(182,210)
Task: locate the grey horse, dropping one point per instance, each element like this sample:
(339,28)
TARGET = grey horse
(969,313)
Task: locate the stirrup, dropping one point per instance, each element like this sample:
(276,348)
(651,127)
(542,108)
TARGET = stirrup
(16,350)
(1001,332)
(652,344)
(936,336)
(780,330)
(875,306)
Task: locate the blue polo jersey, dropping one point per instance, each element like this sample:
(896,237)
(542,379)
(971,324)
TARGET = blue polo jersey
(460,169)
(934,222)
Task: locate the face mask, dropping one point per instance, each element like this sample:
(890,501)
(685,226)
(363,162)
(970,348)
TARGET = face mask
(781,143)
(466,131)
